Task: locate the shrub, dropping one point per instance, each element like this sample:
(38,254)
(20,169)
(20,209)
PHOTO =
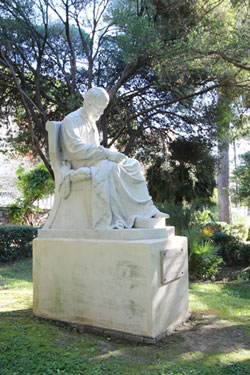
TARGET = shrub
(245,254)
(244,275)
(218,226)
(240,231)
(185,215)
(16,242)
(203,256)
(232,250)
(35,184)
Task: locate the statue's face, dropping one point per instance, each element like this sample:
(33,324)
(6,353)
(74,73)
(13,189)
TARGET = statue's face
(95,110)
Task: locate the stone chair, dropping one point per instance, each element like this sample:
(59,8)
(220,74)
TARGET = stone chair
(73,188)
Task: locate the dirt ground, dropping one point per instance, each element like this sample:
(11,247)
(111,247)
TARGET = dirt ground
(201,336)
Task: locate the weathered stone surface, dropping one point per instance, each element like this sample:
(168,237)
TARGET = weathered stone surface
(97,262)
(112,333)
(108,234)
(114,285)
(134,338)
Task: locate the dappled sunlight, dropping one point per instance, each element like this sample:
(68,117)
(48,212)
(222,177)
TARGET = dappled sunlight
(16,287)
(12,283)
(238,355)
(223,300)
(208,343)
(13,299)
(111,354)
(192,356)
(195,303)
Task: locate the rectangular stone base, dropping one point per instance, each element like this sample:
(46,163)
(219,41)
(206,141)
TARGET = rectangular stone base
(110,284)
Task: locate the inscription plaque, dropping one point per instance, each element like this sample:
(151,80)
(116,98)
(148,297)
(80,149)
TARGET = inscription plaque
(172,264)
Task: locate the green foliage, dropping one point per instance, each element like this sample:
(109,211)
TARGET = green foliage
(203,255)
(130,40)
(237,230)
(244,275)
(185,215)
(240,231)
(241,175)
(16,242)
(187,174)
(210,243)
(152,56)
(35,184)
(180,215)
(232,250)
(204,260)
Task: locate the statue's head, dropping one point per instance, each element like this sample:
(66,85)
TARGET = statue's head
(95,102)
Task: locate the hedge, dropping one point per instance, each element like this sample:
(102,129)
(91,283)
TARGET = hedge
(16,242)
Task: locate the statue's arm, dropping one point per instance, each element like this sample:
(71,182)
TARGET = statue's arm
(78,150)
(114,156)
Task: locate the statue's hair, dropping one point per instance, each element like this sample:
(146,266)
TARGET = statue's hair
(98,95)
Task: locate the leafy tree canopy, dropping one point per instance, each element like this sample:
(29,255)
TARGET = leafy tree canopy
(241,176)
(157,59)
(187,174)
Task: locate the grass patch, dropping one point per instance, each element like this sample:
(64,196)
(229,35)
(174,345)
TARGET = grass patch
(227,301)
(16,286)
(216,340)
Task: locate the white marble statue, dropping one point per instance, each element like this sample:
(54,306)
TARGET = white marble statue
(119,191)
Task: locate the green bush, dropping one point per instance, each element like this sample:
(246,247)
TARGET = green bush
(240,231)
(34,185)
(233,252)
(185,215)
(204,261)
(244,275)
(16,242)
(245,254)
(218,226)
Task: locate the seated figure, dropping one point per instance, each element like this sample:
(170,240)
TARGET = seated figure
(119,195)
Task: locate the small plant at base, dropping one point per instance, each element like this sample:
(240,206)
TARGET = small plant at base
(244,275)
(203,256)
(35,184)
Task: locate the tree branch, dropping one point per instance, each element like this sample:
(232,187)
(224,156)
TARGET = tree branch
(166,103)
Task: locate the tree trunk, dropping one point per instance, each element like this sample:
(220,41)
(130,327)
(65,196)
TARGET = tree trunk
(224,203)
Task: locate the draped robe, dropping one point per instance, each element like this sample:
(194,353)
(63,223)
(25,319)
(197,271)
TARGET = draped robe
(119,190)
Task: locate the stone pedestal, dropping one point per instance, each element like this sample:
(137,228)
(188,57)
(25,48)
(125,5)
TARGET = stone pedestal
(133,282)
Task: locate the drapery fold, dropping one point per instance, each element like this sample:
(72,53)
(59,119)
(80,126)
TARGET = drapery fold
(119,191)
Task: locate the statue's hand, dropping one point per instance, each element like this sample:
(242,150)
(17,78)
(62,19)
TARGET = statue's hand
(116,157)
